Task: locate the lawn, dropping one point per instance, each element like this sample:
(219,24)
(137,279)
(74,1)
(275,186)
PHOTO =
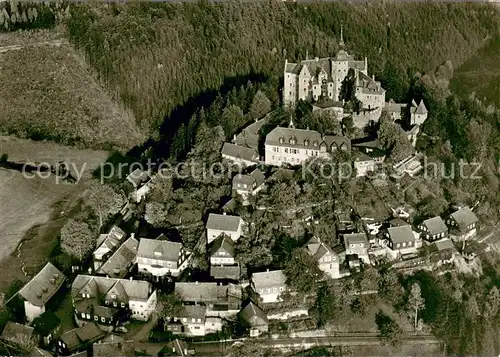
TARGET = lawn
(34,210)
(47,92)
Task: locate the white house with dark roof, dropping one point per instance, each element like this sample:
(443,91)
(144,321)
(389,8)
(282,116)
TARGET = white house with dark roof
(106,244)
(269,285)
(121,261)
(418,113)
(100,299)
(402,240)
(433,229)
(240,155)
(356,244)
(328,260)
(39,290)
(218,224)
(222,251)
(246,185)
(190,321)
(160,257)
(463,223)
(445,252)
(367,159)
(79,339)
(255,318)
(295,146)
(220,300)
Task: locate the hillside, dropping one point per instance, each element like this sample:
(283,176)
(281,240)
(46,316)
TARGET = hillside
(47,92)
(481,75)
(158,57)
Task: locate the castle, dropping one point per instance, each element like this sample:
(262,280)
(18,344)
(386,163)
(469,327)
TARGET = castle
(312,80)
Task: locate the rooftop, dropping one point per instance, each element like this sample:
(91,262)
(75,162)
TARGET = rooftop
(464,217)
(435,225)
(240,152)
(199,292)
(137,177)
(231,272)
(355,238)
(14,331)
(90,332)
(444,244)
(159,249)
(302,138)
(223,243)
(268,279)
(223,222)
(94,285)
(249,137)
(43,286)
(117,266)
(253,315)
(401,234)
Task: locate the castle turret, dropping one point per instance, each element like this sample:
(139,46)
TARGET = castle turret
(341,42)
(291,125)
(366,66)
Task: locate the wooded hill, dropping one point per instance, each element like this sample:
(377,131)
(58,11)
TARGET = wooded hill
(158,57)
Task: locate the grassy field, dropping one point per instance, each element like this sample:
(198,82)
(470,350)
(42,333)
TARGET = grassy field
(47,92)
(481,74)
(34,210)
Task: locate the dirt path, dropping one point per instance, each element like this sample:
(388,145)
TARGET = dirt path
(36,44)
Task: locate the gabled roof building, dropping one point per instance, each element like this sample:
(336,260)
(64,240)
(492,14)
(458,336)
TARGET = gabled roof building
(160,258)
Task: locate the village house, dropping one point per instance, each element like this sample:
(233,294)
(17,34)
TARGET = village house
(140,180)
(106,244)
(103,299)
(39,290)
(433,229)
(401,240)
(189,320)
(47,327)
(418,113)
(243,156)
(255,318)
(218,224)
(160,258)
(121,261)
(222,251)
(79,339)
(295,146)
(220,300)
(463,224)
(226,273)
(269,285)
(19,334)
(356,244)
(249,136)
(445,253)
(328,260)
(367,159)
(247,185)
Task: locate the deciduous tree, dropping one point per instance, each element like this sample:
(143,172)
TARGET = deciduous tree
(260,106)
(77,239)
(415,300)
(104,201)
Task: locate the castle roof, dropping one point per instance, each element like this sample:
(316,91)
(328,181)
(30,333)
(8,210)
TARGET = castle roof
(368,85)
(302,138)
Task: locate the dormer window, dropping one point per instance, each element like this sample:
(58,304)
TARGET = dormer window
(322,147)
(315,143)
(292,140)
(306,142)
(158,254)
(282,140)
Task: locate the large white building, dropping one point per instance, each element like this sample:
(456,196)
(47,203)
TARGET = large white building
(312,79)
(269,285)
(218,224)
(161,257)
(294,146)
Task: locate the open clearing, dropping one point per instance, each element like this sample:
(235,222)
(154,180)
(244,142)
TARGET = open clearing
(34,210)
(47,91)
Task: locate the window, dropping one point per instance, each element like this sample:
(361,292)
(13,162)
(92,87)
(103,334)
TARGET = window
(96,318)
(286,150)
(197,327)
(193,320)
(115,304)
(199,320)
(184,320)
(404,244)
(88,316)
(113,296)
(122,304)
(83,315)
(106,302)
(103,319)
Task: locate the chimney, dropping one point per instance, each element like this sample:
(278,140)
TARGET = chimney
(196,283)
(316,59)
(307,55)
(267,270)
(52,281)
(39,295)
(44,289)
(366,64)
(131,279)
(234,138)
(56,276)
